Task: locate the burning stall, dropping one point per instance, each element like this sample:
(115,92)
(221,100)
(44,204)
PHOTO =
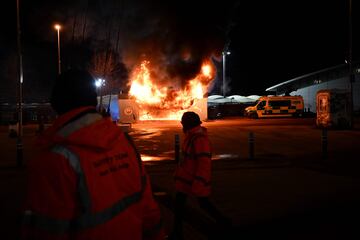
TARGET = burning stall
(151,100)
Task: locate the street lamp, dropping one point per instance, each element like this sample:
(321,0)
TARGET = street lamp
(19,143)
(99,83)
(58,27)
(351,74)
(224,53)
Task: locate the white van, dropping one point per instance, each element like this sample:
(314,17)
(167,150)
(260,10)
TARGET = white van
(276,106)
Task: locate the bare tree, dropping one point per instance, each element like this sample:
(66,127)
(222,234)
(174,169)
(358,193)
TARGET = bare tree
(107,64)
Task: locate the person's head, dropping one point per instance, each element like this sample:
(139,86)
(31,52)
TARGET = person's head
(73,88)
(190,120)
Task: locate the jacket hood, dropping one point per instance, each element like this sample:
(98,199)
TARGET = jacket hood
(82,127)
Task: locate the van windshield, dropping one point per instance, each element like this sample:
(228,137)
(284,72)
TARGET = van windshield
(261,105)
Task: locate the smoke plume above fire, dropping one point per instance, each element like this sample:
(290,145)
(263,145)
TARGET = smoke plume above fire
(170,57)
(175,37)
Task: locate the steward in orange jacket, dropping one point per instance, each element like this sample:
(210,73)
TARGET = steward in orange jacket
(88,181)
(193,173)
(194,169)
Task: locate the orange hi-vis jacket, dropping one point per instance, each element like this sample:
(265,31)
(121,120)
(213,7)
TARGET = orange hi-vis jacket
(88,182)
(192,175)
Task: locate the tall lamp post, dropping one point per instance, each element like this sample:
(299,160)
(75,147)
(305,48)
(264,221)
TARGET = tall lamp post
(100,83)
(58,27)
(19,144)
(224,53)
(351,74)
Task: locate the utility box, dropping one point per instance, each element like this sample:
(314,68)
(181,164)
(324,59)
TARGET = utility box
(333,108)
(128,111)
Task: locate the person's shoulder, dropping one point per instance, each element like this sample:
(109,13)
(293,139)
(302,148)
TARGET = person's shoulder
(200,137)
(201,132)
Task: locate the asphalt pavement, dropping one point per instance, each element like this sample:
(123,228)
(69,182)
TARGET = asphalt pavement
(287,191)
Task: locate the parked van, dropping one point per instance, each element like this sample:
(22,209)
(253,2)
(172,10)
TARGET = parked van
(333,108)
(277,106)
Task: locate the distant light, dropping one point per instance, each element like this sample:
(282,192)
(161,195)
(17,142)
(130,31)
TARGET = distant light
(57,27)
(228,53)
(346,61)
(99,82)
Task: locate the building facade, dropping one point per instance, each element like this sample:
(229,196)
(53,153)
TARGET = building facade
(331,78)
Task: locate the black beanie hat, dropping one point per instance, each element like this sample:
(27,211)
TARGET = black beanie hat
(73,88)
(190,120)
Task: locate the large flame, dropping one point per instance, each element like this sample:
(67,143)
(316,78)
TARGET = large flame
(164,102)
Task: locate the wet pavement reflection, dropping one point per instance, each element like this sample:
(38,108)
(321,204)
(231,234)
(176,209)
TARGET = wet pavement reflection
(155,140)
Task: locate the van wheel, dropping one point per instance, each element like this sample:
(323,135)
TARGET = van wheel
(254,115)
(343,123)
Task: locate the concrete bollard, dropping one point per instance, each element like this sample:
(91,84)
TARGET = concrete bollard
(177,148)
(41,126)
(13,130)
(19,153)
(251,140)
(324,143)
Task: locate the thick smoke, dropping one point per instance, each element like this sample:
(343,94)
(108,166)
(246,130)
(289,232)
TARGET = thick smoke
(175,36)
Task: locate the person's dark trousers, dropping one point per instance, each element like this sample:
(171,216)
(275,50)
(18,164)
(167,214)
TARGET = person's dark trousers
(223,223)
(204,203)
(180,201)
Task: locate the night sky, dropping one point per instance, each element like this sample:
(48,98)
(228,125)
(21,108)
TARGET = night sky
(270,41)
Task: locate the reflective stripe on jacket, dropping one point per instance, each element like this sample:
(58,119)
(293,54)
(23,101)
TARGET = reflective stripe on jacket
(193,172)
(89,183)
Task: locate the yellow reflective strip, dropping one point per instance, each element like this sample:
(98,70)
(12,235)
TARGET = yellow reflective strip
(203,180)
(92,220)
(74,162)
(203,154)
(84,121)
(52,225)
